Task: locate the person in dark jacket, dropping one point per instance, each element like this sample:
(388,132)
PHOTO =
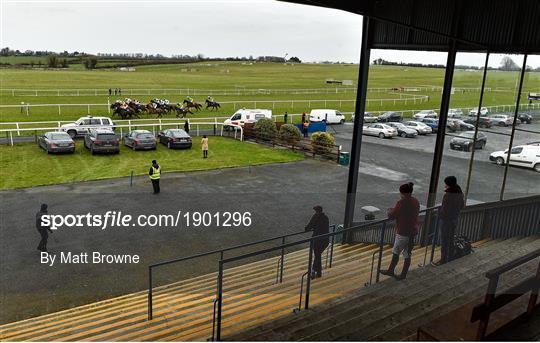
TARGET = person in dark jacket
(42,229)
(319,225)
(452,203)
(155,175)
(186,126)
(405,213)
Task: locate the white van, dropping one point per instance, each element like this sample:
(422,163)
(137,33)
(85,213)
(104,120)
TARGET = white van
(331,116)
(243,116)
(523,155)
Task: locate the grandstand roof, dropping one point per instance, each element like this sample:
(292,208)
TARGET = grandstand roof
(498,26)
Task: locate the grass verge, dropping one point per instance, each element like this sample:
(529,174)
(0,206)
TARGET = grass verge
(26,165)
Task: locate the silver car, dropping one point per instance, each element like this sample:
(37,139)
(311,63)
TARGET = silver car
(368,118)
(403,131)
(380,130)
(420,127)
(56,141)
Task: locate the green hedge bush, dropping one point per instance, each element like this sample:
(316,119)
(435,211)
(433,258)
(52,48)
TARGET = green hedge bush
(266,129)
(322,142)
(289,133)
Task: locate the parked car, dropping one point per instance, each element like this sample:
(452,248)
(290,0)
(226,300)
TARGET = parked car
(56,141)
(140,139)
(380,130)
(501,119)
(454,125)
(465,141)
(329,116)
(524,156)
(420,127)
(403,130)
(425,114)
(175,138)
(102,140)
(483,111)
(83,125)
(455,113)
(368,118)
(390,116)
(525,118)
(482,122)
(243,116)
(432,123)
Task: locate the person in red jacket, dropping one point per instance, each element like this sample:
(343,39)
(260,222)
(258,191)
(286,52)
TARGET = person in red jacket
(405,213)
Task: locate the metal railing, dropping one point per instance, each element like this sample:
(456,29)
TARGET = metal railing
(221,253)
(222,262)
(195,128)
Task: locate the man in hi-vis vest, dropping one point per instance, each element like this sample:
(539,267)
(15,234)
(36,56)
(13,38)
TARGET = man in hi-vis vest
(155,174)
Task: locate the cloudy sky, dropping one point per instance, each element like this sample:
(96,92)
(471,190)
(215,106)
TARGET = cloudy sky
(216,28)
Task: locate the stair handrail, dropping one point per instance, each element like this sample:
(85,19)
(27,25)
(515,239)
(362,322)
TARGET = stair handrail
(219,251)
(224,261)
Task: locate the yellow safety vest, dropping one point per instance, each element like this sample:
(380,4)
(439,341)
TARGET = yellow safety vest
(156,173)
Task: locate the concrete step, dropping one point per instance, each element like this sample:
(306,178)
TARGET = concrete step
(277,330)
(346,324)
(184,309)
(292,330)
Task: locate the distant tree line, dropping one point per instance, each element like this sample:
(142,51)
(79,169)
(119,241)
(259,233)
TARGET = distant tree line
(63,59)
(507,64)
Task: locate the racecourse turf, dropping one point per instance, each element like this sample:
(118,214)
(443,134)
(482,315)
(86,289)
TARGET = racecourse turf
(237,76)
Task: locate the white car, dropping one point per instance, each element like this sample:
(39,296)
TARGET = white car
(420,127)
(380,130)
(502,119)
(83,125)
(455,113)
(523,155)
(483,111)
(425,114)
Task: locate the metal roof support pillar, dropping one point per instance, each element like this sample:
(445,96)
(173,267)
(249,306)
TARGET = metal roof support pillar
(478,114)
(516,112)
(359,111)
(439,142)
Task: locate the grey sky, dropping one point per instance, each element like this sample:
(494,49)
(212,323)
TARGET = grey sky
(215,28)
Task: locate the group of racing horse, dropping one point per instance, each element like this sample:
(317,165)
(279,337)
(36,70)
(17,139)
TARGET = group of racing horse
(129,108)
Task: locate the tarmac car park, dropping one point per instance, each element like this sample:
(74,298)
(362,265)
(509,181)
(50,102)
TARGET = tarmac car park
(56,141)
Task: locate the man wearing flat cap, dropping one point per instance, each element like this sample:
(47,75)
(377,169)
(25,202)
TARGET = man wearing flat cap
(319,225)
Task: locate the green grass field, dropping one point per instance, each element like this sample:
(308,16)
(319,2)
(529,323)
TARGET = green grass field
(26,165)
(234,75)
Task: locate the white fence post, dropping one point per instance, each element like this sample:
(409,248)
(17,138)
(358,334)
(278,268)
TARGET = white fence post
(11,137)
(18,132)
(59,110)
(88,109)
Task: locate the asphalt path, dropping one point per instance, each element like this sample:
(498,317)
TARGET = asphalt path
(279,198)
